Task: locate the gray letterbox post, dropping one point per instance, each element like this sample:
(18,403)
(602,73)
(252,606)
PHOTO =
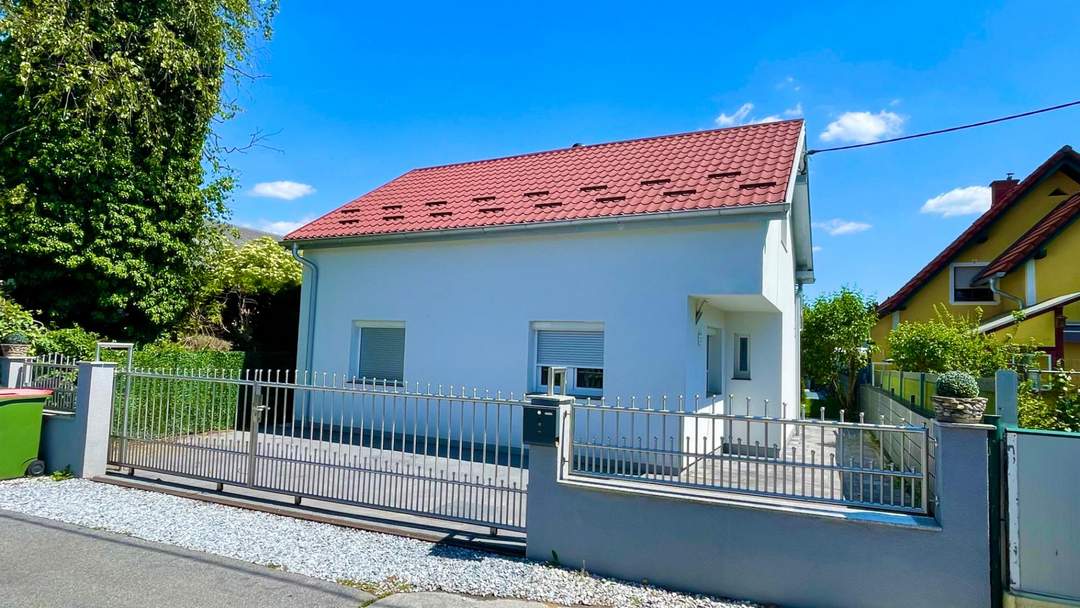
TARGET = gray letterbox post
(540,425)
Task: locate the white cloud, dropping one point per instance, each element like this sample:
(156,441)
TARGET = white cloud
(816,248)
(283,189)
(969,200)
(738,117)
(742,116)
(863,127)
(280,227)
(840,227)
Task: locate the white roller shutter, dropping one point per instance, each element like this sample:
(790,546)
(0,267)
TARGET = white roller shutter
(382,353)
(570,348)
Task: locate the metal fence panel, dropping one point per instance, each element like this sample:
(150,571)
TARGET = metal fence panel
(804,459)
(447,454)
(55,372)
(1043,478)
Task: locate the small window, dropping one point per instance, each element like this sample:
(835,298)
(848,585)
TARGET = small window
(963,292)
(579,347)
(742,357)
(380,352)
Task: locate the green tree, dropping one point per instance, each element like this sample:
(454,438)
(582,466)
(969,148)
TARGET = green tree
(949,343)
(233,276)
(836,341)
(109,169)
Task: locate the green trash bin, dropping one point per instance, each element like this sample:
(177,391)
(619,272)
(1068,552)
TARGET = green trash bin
(20,431)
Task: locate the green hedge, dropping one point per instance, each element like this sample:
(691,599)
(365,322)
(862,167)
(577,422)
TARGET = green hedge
(172,357)
(159,407)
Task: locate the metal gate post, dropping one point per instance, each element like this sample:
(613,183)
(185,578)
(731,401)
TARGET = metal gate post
(254,417)
(130,348)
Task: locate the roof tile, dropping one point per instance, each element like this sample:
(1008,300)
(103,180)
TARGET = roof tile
(1033,239)
(739,166)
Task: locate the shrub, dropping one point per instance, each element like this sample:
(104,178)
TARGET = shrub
(73,342)
(16,337)
(1055,406)
(957,384)
(15,318)
(949,343)
(202,342)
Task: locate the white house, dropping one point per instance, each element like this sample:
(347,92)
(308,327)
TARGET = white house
(660,266)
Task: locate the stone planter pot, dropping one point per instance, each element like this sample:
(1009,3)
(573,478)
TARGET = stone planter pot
(959,409)
(15,350)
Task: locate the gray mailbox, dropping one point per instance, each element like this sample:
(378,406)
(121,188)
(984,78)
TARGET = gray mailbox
(540,424)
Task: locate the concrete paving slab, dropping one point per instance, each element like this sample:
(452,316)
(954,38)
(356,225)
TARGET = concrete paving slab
(52,564)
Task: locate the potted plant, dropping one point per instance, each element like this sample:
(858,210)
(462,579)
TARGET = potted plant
(957,398)
(15,344)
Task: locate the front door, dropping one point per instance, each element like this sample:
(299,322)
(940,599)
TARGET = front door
(713,365)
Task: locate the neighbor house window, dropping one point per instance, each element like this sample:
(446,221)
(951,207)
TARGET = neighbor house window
(963,292)
(579,347)
(379,351)
(742,357)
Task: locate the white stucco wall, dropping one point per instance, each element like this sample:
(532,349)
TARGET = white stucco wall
(468,303)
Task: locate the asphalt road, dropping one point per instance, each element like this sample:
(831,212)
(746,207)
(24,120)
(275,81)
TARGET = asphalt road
(51,564)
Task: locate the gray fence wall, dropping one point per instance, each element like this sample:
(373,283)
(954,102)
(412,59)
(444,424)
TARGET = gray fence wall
(1043,499)
(881,407)
(788,553)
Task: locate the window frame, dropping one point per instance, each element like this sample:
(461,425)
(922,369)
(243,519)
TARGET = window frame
(572,388)
(354,352)
(952,285)
(736,357)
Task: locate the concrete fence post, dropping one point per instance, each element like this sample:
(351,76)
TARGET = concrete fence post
(1006,396)
(963,507)
(81,441)
(13,370)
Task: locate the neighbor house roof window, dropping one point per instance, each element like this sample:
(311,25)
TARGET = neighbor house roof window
(742,357)
(963,292)
(379,351)
(579,347)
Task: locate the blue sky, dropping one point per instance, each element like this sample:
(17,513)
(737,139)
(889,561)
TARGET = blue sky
(358,93)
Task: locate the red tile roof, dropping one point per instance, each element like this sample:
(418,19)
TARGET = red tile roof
(734,167)
(1043,230)
(895,301)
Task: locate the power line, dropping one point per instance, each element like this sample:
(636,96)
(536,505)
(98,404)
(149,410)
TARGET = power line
(950,129)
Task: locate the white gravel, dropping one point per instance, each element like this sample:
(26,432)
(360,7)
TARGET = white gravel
(325,551)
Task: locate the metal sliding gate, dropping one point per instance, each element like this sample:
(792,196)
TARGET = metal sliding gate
(436,453)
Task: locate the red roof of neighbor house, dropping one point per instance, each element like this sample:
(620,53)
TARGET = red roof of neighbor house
(734,167)
(895,301)
(1034,238)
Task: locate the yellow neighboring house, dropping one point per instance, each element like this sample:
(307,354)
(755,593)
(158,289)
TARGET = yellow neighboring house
(1022,254)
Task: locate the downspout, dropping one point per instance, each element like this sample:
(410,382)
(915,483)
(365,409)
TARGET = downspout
(313,298)
(1008,296)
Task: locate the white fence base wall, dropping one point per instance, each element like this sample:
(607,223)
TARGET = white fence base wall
(789,554)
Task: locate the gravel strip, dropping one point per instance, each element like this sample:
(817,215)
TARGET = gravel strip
(378,562)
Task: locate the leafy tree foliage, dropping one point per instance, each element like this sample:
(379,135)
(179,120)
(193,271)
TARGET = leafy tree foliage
(73,342)
(234,277)
(15,318)
(109,171)
(950,343)
(836,340)
(261,265)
